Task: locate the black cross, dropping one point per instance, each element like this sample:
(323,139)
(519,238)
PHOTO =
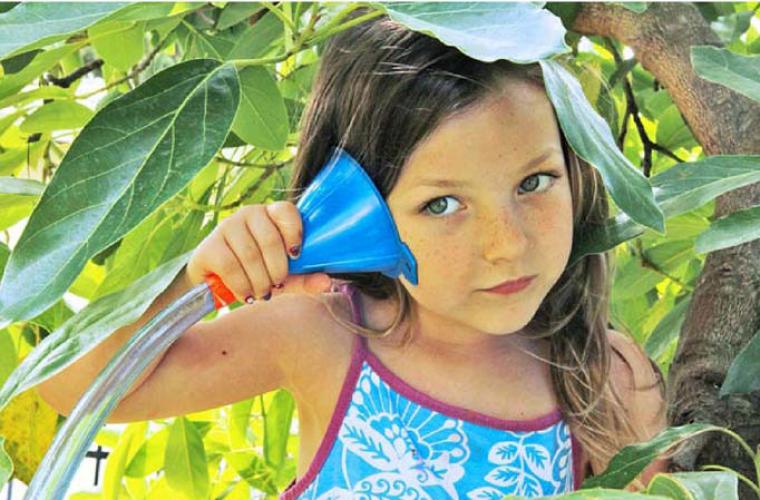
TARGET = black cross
(98,455)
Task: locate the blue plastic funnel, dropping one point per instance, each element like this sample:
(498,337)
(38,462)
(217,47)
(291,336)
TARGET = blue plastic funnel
(348,226)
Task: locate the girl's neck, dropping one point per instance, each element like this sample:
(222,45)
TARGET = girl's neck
(443,340)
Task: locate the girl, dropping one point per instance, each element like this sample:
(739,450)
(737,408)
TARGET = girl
(462,386)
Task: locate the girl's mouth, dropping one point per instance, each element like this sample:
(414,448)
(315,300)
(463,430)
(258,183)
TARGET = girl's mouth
(512,286)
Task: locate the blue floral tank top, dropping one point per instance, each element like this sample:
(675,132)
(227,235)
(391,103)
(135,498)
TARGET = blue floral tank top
(389,440)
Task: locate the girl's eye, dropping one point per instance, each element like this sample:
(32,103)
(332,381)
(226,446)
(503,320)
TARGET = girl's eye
(534,177)
(437,206)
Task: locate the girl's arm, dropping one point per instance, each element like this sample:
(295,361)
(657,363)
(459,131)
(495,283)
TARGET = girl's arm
(243,353)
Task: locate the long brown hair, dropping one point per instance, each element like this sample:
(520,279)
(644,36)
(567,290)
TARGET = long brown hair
(380,89)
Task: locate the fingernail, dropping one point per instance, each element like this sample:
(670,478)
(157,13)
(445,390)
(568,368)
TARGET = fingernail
(295,250)
(249,299)
(267,296)
(279,285)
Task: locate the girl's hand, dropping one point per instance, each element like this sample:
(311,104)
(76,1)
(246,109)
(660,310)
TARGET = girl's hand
(249,252)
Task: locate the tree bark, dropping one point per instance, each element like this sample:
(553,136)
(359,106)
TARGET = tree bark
(725,308)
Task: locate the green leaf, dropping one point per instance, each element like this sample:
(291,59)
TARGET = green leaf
(637,7)
(711,485)
(238,423)
(591,138)
(6,464)
(734,229)
(682,188)
(149,458)
(47,92)
(185,460)
(56,115)
(744,373)
(633,459)
(17,199)
(738,73)
(632,280)
(8,355)
(519,32)
(33,25)
(666,485)
(667,330)
(234,12)
(89,327)
(11,84)
(119,43)
(277,429)
(25,187)
(146,11)
(731,26)
(261,118)
(672,132)
(671,254)
(132,437)
(135,154)
(239,42)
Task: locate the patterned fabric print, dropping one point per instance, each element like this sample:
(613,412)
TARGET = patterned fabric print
(391,447)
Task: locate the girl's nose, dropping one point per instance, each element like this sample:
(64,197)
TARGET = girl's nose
(504,236)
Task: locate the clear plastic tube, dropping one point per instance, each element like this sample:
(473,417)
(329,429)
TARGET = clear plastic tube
(52,479)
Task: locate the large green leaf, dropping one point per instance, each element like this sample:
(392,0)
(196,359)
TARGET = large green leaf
(519,32)
(737,72)
(591,138)
(682,188)
(744,373)
(733,229)
(89,327)
(262,119)
(185,460)
(633,459)
(134,155)
(35,24)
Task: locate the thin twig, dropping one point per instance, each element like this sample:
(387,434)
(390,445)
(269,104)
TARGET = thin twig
(632,109)
(75,75)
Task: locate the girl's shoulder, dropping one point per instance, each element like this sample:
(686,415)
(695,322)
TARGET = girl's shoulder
(631,369)
(323,345)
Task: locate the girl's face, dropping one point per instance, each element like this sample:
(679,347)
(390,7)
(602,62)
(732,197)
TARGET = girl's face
(485,198)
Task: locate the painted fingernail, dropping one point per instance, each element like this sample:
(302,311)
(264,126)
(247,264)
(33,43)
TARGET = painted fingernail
(295,250)
(279,285)
(267,296)
(249,299)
